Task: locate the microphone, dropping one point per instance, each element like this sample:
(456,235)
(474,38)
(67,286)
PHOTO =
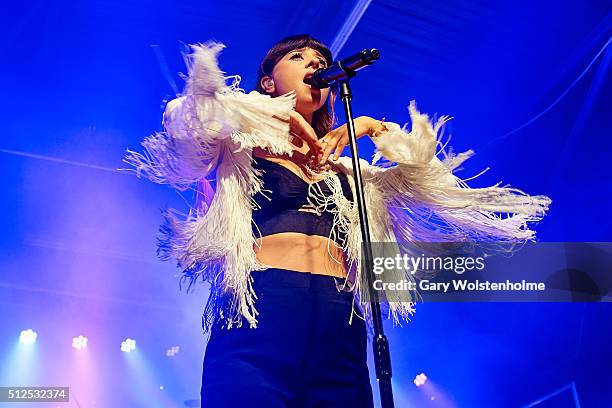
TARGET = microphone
(345,68)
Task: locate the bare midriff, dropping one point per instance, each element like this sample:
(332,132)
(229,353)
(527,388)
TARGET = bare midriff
(300,252)
(297,251)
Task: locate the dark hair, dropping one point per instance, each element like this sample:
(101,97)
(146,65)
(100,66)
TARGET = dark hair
(323,119)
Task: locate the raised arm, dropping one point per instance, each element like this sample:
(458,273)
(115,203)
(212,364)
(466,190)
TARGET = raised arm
(209,121)
(427,202)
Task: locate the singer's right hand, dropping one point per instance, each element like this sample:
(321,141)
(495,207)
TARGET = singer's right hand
(337,139)
(299,127)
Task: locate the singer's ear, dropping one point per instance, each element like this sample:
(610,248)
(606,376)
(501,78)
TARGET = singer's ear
(267,84)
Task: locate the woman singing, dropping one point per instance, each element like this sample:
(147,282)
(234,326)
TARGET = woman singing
(279,239)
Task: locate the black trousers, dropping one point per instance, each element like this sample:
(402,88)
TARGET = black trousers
(303,353)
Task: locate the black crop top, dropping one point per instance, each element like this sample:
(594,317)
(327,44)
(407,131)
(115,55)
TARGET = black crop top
(286,194)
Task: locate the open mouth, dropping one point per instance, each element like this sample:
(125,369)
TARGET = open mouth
(308,79)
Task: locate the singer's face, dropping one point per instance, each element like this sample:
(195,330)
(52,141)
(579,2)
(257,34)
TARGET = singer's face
(290,72)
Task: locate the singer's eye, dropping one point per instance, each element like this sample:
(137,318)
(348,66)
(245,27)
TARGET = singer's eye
(322,62)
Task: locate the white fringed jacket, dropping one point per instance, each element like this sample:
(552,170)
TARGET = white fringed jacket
(213,127)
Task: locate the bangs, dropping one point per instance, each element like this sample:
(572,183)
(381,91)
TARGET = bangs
(286,45)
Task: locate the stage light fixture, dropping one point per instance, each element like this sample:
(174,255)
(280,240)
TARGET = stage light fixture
(28,336)
(172,351)
(420,379)
(128,345)
(79,343)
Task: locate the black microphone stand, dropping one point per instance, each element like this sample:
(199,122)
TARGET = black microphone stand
(382,357)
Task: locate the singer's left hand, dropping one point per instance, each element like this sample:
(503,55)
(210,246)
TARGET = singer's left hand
(338,138)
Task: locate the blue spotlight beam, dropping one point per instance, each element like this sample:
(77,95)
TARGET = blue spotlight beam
(570,386)
(349,26)
(581,119)
(556,101)
(575,394)
(61,161)
(163,65)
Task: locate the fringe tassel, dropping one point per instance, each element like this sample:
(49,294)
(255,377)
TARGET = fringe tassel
(436,204)
(213,127)
(346,223)
(209,114)
(421,200)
